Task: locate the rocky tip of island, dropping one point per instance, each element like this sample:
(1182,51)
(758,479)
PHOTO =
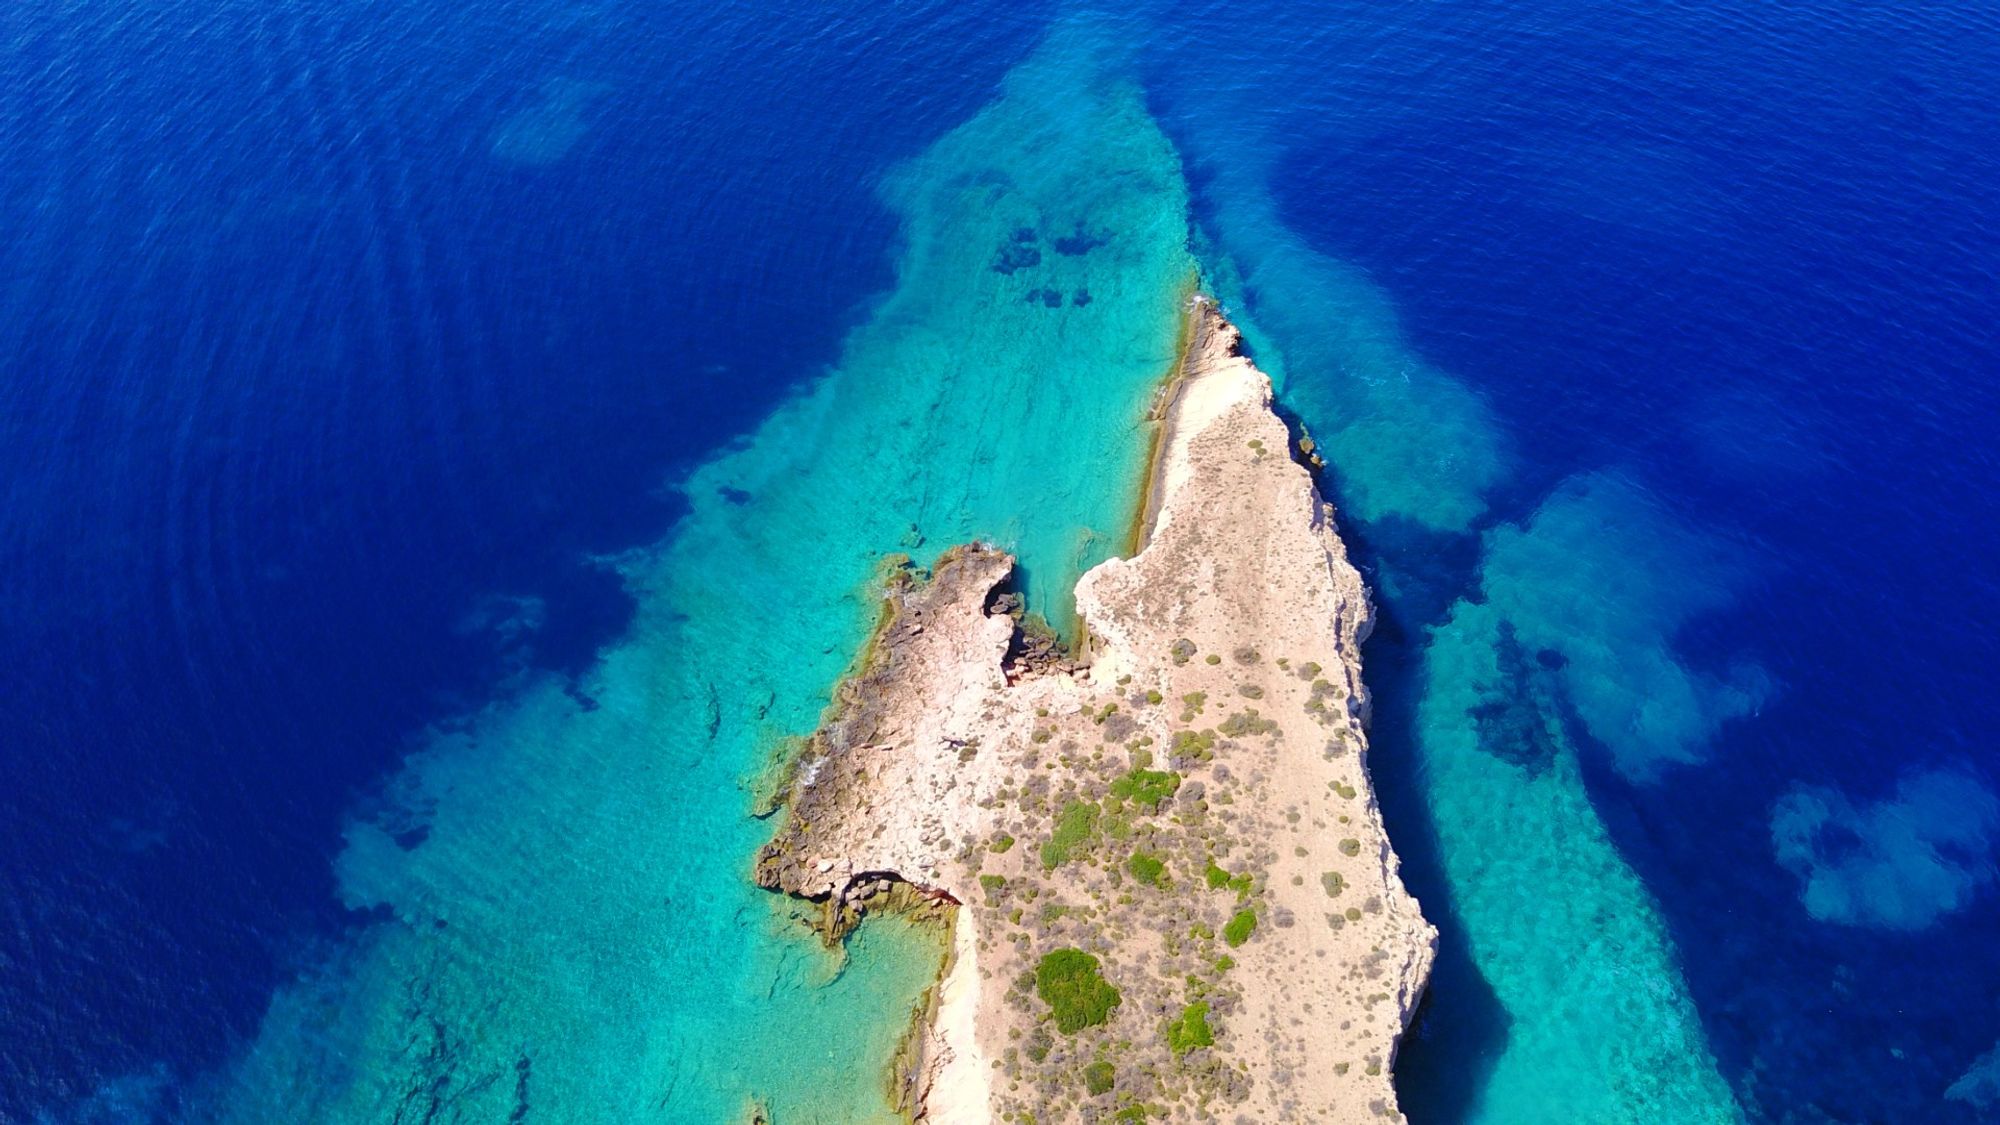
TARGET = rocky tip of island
(1159,860)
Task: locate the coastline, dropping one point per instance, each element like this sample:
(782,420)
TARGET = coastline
(1160,418)
(1082,825)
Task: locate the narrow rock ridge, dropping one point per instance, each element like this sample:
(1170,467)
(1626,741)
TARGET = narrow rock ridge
(1171,880)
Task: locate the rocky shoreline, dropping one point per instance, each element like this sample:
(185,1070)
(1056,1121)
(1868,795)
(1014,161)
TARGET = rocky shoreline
(1161,863)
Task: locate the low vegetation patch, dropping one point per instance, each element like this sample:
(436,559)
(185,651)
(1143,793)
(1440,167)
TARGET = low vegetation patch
(1070,983)
(1099,1077)
(1074,828)
(1146,788)
(1217,879)
(1147,868)
(1240,928)
(1198,745)
(1191,1030)
(1247,721)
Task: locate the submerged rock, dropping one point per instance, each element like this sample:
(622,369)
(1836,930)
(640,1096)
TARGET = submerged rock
(545,132)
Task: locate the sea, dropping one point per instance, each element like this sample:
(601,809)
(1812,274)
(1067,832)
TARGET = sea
(448,450)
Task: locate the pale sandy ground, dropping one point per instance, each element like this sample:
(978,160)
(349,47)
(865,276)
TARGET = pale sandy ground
(948,768)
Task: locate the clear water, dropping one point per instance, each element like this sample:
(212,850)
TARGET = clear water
(379,723)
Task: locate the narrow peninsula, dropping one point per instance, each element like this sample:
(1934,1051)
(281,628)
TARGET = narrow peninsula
(1166,879)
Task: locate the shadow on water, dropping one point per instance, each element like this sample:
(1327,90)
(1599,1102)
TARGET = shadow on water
(1460,1020)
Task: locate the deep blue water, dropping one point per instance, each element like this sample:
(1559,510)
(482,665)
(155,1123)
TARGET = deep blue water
(303,390)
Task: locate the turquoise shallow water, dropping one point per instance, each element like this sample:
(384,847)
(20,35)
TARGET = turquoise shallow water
(566,922)
(1557,659)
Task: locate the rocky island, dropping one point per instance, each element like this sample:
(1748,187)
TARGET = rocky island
(1167,883)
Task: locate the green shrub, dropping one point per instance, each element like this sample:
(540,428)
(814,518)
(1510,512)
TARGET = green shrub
(1146,788)
(1217,879)
(1099,1077)
(1246,722)
(1191,1030)
(1240,928)
(1069,982)
(1147,868)
(1001,843)
(1154,697)
(1197,745)
(1350,846)
(1214,659)
(1334,882)
(1074,828)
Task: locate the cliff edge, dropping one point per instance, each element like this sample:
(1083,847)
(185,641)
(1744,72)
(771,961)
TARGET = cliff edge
(1168,882)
